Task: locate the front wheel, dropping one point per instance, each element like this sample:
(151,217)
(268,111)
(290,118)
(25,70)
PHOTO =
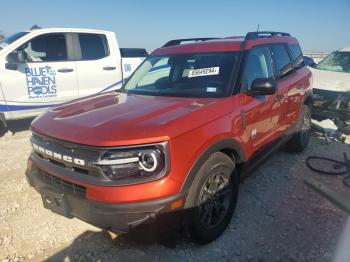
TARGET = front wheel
(214,196)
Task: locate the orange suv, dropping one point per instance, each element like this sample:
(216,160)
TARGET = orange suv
(188,125)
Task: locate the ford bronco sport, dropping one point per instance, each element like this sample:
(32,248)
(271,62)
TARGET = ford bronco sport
(179,136)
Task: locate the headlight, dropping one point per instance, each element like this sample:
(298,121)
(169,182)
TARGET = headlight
(135,163)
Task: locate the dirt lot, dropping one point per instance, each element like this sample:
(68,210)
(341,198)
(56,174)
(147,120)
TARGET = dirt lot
(277,218)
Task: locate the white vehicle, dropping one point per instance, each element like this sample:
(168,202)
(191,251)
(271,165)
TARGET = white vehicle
(331,86)
(45,67)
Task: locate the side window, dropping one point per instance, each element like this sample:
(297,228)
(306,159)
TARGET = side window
(45,48)
(297,56)
(258,65)
(281,59)
(93,46)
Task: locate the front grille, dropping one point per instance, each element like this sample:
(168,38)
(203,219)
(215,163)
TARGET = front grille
(61,183)
(89,155)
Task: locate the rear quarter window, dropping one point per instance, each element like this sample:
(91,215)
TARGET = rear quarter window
(281,59)
(297,56)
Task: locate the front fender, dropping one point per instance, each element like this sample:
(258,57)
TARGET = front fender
(224,144)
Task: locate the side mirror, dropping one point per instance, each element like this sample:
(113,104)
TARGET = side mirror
(262,87)
(309,61)
(14,59)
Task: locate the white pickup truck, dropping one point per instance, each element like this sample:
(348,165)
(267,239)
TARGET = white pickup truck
(45,67)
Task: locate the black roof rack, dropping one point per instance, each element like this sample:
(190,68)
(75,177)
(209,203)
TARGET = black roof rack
(179,41)
(263,34)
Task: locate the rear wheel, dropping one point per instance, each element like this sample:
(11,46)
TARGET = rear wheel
(214,196)
(300,140)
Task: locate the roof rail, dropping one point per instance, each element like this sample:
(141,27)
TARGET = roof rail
(262,34)
(179,41)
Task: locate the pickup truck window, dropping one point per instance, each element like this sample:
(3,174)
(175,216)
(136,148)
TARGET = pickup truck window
(93,46)
(281,59)
(258,65)
(185,75)
(10,39)
(45,48)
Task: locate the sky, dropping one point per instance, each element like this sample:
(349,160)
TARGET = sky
(320,26)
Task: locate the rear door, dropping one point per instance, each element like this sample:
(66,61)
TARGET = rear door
(47,77)
(287,84)
(98,63)
(299,86)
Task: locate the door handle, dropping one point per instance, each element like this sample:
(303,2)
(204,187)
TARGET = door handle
(109,68)
(278,98)
(65,70)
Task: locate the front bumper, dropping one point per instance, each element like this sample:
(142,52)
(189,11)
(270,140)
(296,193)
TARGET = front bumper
(69,200)
(331,104)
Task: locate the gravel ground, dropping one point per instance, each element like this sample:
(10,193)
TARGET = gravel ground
(277,218)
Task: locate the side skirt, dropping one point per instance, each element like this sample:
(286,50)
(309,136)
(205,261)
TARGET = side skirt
(260,156)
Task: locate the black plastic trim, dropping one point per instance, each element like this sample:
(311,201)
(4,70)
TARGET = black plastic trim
(68,170)
(117,217)
(179,41)
(263,34)
(220,145)
(133,52)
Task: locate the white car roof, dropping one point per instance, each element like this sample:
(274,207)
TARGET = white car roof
(345,49)
(84,30)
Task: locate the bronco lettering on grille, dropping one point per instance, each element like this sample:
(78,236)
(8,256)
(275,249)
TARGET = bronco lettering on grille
(58,156)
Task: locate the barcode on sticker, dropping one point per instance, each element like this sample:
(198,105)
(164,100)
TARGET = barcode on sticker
(204,72)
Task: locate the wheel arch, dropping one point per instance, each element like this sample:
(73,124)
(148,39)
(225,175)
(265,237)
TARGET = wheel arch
(308,100)
(230,147)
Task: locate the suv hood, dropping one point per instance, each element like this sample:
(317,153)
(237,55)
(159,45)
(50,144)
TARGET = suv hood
(329,80)
(114,119)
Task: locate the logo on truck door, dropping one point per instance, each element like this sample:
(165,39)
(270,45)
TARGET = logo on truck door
(41,82)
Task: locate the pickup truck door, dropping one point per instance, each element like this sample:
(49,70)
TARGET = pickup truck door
(131,59)
(98,63)
(47,76)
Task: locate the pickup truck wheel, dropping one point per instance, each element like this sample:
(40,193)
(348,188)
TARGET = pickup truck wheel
(214,196)
(300,140)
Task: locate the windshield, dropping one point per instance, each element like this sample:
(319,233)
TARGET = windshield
(184,75)
(10,39)
(338,61)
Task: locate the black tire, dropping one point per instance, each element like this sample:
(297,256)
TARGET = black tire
(3,129)
(212,198)
(299,140)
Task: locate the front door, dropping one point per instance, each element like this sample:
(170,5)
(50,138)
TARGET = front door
(47,77)
(262,114)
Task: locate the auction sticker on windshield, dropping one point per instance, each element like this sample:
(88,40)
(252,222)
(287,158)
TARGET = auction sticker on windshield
(203,72)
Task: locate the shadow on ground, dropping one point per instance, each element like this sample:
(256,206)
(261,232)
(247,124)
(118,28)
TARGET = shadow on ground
(105,246)
(15,126)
